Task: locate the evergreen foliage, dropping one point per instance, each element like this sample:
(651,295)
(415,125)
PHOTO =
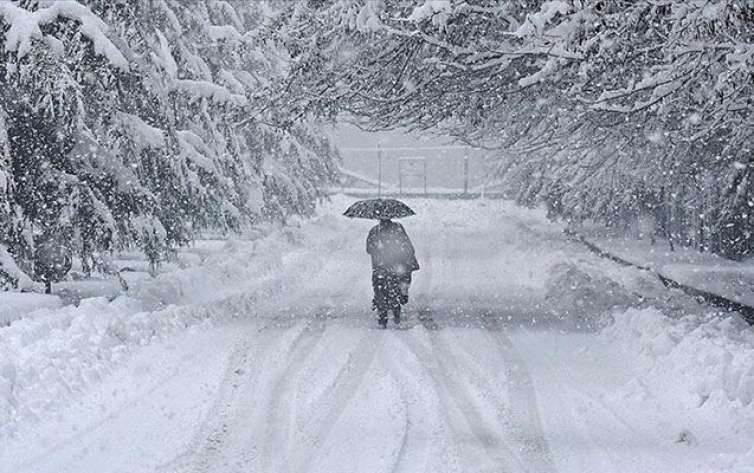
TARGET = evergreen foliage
(129,123)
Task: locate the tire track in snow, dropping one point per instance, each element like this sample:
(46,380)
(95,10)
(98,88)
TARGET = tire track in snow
(404,450)
(523,397)
(419,447)
(279,414)
(334,400)
(86,438)
(464,419)
(246,364)
(424,287)
(215,427)
(520,413)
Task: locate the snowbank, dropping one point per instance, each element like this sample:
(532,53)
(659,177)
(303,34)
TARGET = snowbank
(581,298)
(52,355)
(15,305)
(238,266)
(699,366)
(710,358)
(48,358)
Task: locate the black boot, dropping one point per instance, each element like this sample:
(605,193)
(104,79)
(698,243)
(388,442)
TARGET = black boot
(397,315)
(383,319)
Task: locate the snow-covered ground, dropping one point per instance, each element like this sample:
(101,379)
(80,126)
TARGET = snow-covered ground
(521,352)
(705,271)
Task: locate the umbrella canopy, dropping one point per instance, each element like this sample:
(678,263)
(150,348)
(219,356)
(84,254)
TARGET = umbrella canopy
(378,209)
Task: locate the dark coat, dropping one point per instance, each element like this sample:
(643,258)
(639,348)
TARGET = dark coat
(391,249)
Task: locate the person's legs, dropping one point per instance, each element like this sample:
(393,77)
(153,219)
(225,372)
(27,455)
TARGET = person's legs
(380,286)
(393,291)
(405,284)
(387,295)
(382,320)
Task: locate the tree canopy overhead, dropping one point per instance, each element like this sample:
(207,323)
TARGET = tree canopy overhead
(137,123)
(598,107)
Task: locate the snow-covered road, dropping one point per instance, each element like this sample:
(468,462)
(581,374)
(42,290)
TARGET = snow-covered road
(479,378)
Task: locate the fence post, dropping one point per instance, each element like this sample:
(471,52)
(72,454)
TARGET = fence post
(465,175)
(379,170)
(400,177)
(425,177)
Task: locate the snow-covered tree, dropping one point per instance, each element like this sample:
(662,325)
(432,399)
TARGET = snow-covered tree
(127,123)
(601,108)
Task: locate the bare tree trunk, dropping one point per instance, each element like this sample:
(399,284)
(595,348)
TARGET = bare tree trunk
(700,244)
(86,258)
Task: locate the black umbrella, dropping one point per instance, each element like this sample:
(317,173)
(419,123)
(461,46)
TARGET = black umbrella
(377,209)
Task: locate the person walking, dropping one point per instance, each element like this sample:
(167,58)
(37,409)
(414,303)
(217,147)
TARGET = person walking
(393,261)
(393,257)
